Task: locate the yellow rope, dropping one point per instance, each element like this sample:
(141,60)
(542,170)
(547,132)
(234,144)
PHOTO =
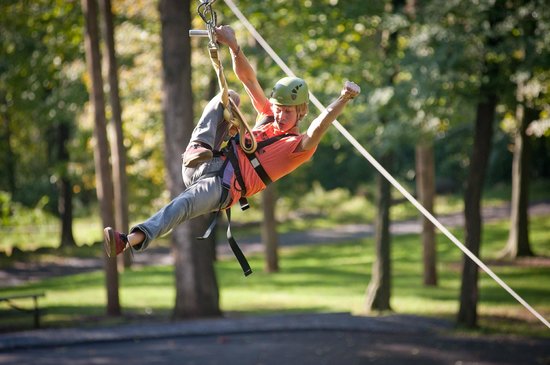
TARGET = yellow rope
(231,111)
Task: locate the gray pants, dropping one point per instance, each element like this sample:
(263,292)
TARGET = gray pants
(211,129)
(204,189)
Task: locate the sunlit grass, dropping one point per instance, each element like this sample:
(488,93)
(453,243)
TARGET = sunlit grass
(324,278)
(327,278)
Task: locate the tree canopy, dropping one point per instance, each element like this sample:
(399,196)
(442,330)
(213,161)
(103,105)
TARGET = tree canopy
(436,65)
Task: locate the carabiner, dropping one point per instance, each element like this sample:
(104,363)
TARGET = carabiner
(206,13)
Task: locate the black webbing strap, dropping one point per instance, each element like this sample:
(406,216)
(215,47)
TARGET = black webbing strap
(245,266)
(267,142)
(262,174)
(210,228)
(235,247)
(253,158)
(234,160)
(232,242)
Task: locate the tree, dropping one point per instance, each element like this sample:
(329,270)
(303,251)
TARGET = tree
(518,238)
(117,143)
(425,182)
(467,314)
(104,183)
(196,285)
(269,229)
(493,79)
(65,200)
(531,55)
(379,288)
(427,102)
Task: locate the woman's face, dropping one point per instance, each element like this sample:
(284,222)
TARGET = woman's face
(285,116)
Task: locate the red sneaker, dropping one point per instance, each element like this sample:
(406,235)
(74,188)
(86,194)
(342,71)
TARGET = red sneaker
(196,154)
(115,242)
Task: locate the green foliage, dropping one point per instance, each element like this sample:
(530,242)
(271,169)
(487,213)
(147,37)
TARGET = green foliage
(420,76)
(20,224)
(336,205)
(40,89)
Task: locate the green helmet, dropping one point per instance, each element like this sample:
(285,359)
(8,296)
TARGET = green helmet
(289,91)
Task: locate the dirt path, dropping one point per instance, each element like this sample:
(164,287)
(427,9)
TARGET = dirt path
(21,272)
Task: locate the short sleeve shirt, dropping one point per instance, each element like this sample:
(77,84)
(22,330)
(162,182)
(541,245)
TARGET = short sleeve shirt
(278,158)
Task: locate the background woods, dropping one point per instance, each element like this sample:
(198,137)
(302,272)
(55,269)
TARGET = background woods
(455,104)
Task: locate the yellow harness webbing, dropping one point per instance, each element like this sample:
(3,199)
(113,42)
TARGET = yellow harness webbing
(231,111)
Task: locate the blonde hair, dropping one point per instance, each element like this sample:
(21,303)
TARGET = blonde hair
(301,111)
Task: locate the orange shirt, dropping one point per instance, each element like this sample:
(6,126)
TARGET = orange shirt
(278,159)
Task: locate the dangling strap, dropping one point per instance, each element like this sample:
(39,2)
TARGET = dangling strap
(235,247)
(208,231)
(232,242)
(245,266)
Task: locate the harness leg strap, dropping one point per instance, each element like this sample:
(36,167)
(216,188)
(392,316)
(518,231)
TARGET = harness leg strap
(210,228)
(232,243)
(235,247)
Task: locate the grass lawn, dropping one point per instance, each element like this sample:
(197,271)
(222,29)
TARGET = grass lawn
(324,278)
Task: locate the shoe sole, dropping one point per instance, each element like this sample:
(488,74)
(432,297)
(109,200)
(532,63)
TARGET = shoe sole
(109,235)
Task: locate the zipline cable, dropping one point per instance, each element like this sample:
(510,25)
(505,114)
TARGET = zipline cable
(382,170)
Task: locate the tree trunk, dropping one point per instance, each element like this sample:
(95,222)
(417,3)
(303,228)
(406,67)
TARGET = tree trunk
(196,286)
(425,182)
(117,144)
(269,229)
(379,289)
(483,136)
(101,146)
(57,137)
(7,155)
(64,185)
(197,292)
(518,239)
(65,209)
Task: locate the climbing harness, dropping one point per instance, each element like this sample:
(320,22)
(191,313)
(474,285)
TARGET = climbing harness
(231,168)
(231,112)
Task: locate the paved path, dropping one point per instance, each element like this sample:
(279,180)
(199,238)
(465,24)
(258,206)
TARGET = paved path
(314,339)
